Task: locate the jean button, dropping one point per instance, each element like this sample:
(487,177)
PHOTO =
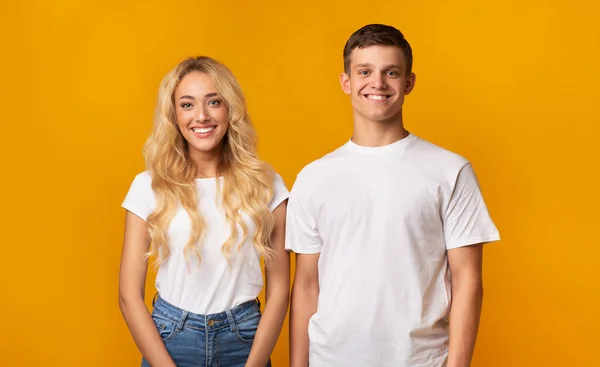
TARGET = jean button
(211,322)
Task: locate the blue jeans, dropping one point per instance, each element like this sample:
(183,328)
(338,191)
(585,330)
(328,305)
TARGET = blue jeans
(217,340)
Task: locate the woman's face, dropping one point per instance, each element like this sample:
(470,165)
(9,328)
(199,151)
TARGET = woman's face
(202,115)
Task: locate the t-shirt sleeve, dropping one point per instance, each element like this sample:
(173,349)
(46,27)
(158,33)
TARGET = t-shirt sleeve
(281,193)
(140,198)
(467,220)
(301,233)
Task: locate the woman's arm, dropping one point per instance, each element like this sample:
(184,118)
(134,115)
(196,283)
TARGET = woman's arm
(132,279)
(277,295)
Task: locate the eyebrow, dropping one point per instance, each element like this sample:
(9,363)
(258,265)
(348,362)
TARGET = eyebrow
(390,66)
(209,95)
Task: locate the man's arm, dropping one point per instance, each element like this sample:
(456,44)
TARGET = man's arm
(305,294)
(467,296)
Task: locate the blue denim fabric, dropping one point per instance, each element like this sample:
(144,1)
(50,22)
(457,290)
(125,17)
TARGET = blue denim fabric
(217,340)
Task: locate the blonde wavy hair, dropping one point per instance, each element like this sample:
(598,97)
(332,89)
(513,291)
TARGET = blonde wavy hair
(247,181)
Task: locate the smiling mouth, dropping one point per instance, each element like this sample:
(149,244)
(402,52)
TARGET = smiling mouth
(203,130)
(377,97)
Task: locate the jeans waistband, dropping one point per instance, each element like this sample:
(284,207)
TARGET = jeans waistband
(229,318)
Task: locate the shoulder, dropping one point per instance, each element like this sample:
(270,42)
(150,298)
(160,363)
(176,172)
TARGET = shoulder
(280,191)
(144,176)
(142,180)
(141,186)
(314,171)
(140,198)
(278,181)
(436,154)
(435,160)
(269,177)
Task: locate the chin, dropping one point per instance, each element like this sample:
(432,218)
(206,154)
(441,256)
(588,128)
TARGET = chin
(380,117)
(387,116)
(205,149)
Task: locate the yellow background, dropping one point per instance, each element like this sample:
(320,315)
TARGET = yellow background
(512,85)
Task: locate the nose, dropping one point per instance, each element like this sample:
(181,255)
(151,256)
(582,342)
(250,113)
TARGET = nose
(202,115)
(379,81)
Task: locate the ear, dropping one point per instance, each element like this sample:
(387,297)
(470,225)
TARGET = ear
(410,83)
(345,83)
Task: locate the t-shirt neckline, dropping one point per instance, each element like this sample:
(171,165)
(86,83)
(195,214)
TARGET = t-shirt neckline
(397,145)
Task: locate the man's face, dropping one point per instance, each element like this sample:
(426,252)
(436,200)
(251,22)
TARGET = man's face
(377,82)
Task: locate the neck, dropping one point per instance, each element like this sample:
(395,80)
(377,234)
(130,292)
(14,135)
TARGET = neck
(207,163)
(378,133)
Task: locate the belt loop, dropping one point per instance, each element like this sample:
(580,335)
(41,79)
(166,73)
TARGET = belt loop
(258,302)
(154,298)
(231,320)
(182,318)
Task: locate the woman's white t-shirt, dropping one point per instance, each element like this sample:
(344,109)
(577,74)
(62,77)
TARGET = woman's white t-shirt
(213,284)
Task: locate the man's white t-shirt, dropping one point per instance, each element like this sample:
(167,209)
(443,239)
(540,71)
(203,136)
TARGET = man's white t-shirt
(212,285)
(382,219)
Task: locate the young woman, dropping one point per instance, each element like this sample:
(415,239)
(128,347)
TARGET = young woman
(206,209)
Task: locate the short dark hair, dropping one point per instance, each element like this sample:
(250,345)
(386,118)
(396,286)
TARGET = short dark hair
(378,35)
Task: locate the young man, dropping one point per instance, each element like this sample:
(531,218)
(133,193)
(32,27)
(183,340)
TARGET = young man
(388,231)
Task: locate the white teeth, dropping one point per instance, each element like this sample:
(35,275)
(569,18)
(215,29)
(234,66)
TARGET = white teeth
(376,97)
(203,130)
